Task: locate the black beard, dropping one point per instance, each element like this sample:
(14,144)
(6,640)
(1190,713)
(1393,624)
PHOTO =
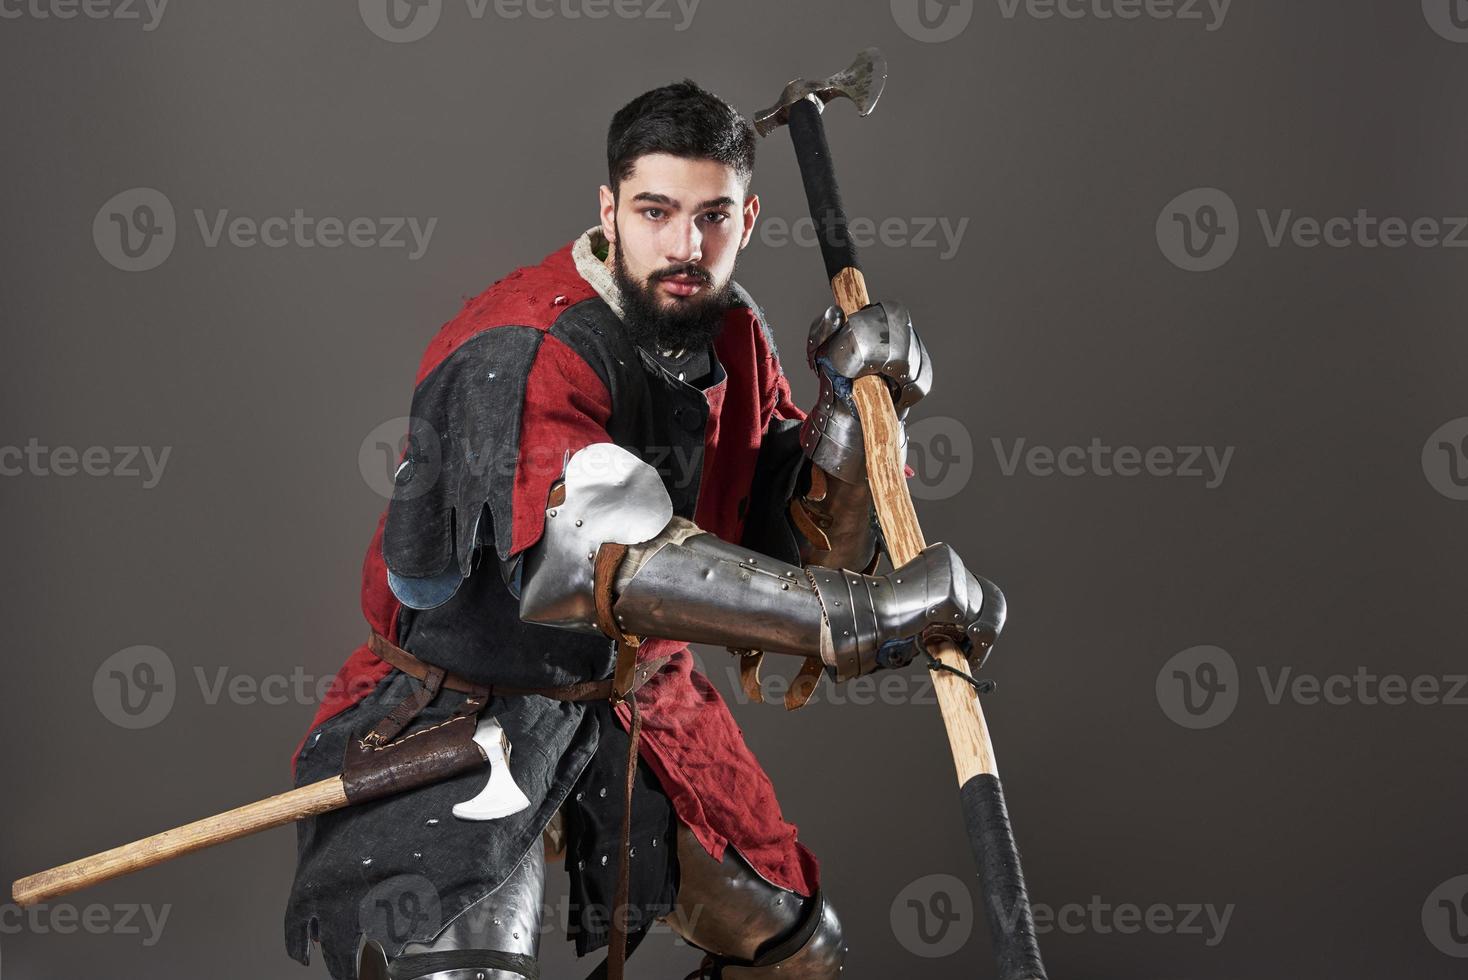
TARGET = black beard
(691,324)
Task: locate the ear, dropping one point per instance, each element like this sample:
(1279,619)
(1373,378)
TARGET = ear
(608,212)
(751,211)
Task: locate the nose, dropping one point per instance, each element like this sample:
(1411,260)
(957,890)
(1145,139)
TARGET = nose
(685,241)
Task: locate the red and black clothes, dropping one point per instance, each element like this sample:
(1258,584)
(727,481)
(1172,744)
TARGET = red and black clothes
(531,370)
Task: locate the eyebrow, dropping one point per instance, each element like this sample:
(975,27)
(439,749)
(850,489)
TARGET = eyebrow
(665,200)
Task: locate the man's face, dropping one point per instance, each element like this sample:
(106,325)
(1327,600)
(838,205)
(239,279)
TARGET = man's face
(677,226)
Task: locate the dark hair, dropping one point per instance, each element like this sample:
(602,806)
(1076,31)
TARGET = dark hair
(683,120)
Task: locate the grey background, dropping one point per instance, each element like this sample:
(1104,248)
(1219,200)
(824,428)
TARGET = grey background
(1325,549)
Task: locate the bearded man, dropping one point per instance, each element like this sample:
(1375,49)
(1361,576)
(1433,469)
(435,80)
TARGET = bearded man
(604,465)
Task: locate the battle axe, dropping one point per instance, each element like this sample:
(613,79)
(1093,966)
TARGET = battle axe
(1011,922)
(372,771)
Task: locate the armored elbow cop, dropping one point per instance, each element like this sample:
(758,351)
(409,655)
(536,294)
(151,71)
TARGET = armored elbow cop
(671,579)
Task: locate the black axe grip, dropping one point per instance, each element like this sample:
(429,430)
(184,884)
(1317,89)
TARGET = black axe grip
(808,133)
(1011,923)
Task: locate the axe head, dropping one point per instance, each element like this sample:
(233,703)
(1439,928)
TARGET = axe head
(500,796)
(861,82)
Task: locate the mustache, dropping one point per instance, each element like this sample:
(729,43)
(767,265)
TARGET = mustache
(690,270)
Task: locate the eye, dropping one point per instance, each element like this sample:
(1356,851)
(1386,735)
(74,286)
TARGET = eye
(716,217)
(653,213)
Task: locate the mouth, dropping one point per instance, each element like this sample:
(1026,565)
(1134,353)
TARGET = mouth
(682,285)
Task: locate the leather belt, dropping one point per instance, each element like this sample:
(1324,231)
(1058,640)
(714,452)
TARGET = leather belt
(389,652)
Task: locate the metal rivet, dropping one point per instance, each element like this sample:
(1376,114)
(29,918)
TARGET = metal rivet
(578,522)
(552,513)
(603,793)
(603,860)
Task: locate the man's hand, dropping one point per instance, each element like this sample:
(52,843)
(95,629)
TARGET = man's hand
(878,339)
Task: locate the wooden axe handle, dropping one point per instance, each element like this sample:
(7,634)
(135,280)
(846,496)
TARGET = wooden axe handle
(986,818)
(297,804)
(963,716)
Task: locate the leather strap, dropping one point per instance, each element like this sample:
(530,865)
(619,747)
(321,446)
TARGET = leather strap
(624,687)
(608,559)
(805,682)
(800,511)
(392,724)
(389,652)
(749,664)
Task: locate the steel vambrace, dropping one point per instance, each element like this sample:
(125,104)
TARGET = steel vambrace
(706,590)
(686,584)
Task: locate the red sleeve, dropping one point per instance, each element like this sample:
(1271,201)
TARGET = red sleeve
(566,408)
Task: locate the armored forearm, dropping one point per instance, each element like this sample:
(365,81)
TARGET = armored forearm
(686,584)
